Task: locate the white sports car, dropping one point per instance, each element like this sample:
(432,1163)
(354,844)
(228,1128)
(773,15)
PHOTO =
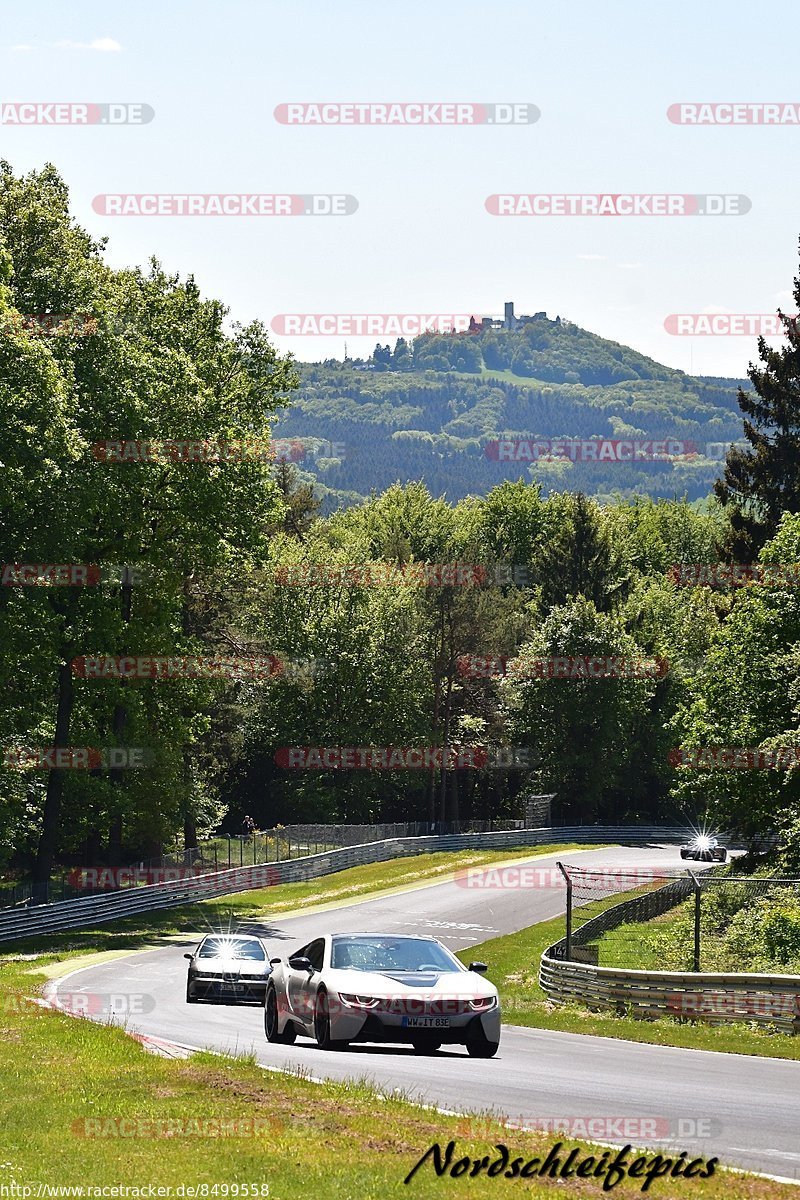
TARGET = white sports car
(369,987)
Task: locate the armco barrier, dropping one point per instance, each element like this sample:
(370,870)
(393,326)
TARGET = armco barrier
(94,910)
(718,998)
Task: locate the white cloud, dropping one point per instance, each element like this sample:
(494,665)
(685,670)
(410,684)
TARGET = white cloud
(593,257)
(630,266)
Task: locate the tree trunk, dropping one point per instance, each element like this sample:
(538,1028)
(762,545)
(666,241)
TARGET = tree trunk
(51,818)
(119,722)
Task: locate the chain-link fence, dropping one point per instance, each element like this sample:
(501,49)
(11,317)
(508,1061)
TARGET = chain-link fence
(664,919)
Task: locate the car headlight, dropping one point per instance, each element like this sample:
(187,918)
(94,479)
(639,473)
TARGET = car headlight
(352,1001)
(482,1003)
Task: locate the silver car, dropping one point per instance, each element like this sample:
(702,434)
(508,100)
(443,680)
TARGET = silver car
(228,967)
(370,987)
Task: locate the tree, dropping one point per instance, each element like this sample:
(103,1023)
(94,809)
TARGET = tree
(583,730)
(762,482)
(156,364)
(580,557)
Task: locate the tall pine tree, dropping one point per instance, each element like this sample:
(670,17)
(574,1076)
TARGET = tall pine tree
(762,482)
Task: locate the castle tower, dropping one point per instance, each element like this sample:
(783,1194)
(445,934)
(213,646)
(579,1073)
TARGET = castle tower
(510,319)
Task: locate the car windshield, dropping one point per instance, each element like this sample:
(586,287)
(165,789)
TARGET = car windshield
(391,954)
(232,948)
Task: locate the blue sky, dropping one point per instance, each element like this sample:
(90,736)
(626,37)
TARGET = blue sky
(421,241)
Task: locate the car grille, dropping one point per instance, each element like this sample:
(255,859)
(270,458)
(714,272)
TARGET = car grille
(412,1006)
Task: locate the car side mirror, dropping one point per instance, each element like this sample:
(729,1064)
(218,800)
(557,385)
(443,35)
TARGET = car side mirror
(274,962)
(189,956)
(298,962)
(479,968)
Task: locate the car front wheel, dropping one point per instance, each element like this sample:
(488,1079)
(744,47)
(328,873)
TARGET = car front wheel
(426,1045)
(271,1027)
(190,997)
(322,1024)
(479,1046)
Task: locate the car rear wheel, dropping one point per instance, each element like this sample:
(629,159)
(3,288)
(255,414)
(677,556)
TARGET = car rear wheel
(322,1024)
(271,1027)
(479,1046)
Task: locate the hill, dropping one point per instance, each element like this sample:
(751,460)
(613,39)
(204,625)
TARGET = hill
(434,409)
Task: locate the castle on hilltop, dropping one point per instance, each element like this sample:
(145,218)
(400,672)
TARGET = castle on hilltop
(508,321)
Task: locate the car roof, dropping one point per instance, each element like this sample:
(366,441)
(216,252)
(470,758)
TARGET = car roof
(229,937)
(416,937)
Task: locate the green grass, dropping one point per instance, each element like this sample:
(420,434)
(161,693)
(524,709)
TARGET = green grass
(340,1140)
(228,912)
(514,967)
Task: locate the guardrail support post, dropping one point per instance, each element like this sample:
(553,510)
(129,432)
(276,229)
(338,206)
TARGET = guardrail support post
(568,936)
(697,894)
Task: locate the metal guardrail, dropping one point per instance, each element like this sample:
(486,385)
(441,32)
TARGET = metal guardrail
(89,911)
(712,997)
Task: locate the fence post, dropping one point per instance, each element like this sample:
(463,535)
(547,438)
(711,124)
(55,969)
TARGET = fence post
(568,939)
(696,882)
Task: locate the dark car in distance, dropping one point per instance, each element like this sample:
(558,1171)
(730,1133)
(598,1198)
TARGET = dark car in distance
(228,967)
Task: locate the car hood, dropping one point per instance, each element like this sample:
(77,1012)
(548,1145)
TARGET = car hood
(385,985)
(233,966)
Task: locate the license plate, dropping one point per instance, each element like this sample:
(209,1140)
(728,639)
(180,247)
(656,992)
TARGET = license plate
(426,1022)
(232,987)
